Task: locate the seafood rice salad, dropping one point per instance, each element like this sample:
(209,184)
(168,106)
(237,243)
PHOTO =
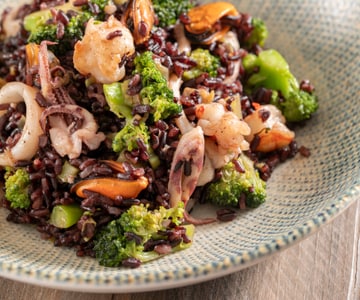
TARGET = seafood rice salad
(117,117)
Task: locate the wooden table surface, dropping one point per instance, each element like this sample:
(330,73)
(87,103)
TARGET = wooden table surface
(326,265)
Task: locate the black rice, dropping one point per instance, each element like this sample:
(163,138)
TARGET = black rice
(47,191)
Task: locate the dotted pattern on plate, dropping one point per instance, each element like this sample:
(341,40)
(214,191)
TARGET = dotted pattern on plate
(320,40)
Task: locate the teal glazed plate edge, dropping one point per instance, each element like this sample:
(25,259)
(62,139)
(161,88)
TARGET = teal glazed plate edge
(321,42)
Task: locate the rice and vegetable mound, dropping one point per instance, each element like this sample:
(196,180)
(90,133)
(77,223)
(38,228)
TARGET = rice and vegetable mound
(118,116)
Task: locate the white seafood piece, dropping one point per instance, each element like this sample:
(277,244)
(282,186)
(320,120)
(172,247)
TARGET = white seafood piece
(11,24)
(175,84)
(66,140)
(183,123)
(224,126)
(268,123)
(186,166)
(28,144)
(184,44)
(102,49)
(208,171)
(217,155)
(231,40)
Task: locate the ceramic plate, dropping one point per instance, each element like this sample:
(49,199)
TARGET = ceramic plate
(321,41)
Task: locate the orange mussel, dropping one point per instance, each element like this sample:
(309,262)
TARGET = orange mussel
(111,187)
(140,17)
(202,20)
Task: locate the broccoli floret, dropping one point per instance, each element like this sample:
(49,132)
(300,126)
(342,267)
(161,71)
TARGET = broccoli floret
(270,70)
(205,63)
(127,138)
(47,33)
(169,11)
(258,35)
(155,90)
(17,184)
(234,184)
(36,20)
(298,106)
(41,27)
(135,130)
(137,231)
(98,6)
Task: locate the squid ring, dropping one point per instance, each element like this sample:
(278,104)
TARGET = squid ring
(27,145)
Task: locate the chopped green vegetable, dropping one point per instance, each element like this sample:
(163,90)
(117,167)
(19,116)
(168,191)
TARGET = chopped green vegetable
(41,27)
(135,130)
(131,236)
(154,93)
(155,90)
(127,138)
(205,63)
(234,184)
(169,11)
(34,21)
(65,216)
(68,173)
(17,183)
(115,95)
(270,70)
(258,34)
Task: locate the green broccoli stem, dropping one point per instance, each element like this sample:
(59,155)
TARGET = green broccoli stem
(273,71)
(68,173)
(65,216)
(34,21)
(115,95)
(121,104)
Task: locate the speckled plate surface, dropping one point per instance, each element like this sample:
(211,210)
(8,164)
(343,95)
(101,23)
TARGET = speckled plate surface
(321,41)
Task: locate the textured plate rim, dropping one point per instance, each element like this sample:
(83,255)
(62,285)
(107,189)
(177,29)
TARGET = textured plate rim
(203,272)
(199,273)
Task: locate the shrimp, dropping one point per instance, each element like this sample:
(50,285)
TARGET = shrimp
(103,48)
(223,126)
(28,144)
(268,124)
